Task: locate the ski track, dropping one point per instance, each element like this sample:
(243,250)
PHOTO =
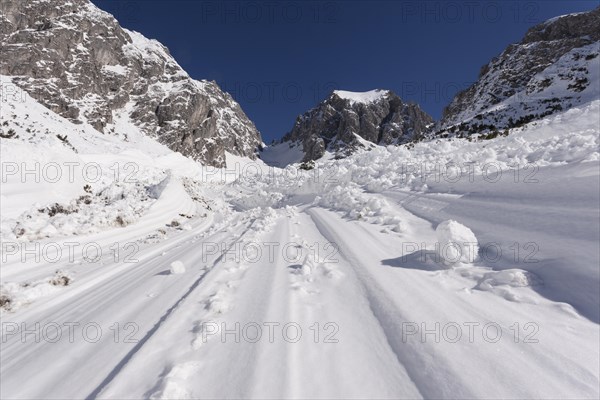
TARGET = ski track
(389,319)
(95,302)
(354,292)
(439,374)
(280,292)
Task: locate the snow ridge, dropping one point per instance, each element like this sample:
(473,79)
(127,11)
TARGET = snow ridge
(362,97)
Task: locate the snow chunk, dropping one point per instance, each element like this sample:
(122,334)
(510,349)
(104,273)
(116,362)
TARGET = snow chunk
(177,267)
(116,69)
(457,243)
(362,97)
(509,277)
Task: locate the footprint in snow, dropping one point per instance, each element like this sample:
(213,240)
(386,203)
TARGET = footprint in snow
(172,385)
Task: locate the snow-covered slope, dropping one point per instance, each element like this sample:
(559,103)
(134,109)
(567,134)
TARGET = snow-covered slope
(326,283)
(76,60)
(554,68)
(61,179)
(440,269)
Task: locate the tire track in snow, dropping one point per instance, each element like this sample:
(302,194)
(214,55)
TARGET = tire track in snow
(119,277)
(95,305)
(432,378)
(161,320)
(251,283)
(446,297)
(111,270)
(304,291)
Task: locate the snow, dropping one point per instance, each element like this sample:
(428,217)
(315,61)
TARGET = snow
(282,154)
(16,295)
(572,81)
(177,267)
(347,252)
(554,19)
(510,277)
(148,48)
(362,97)
(457,243)
(116,69)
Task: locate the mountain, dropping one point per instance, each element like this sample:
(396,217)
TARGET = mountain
(554,68)
(79,62)
(343,121)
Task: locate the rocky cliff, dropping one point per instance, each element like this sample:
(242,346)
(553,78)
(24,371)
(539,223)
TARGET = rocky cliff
(80,63)
(553,68)
(345,119)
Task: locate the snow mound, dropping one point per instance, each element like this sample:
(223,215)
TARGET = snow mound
(508,277)
(14,295)
(117,205)
(362,97)
(177,267)
(509,284)
(457,243)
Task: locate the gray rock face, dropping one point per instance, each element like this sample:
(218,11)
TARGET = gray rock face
(528,76)
(338,123)
(77,61)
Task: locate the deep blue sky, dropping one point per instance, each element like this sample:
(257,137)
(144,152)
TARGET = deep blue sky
(279,58)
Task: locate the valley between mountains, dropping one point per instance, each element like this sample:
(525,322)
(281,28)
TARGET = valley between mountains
(153,247)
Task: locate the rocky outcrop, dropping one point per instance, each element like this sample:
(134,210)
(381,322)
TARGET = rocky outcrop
(551,69)
(345,119)
(77,61)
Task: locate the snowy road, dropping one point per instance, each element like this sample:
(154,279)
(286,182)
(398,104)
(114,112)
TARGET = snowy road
(286,283)
(154,246)
(338,314)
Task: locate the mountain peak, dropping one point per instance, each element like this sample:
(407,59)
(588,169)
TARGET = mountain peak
(346,121)
(564,27)
(362,97)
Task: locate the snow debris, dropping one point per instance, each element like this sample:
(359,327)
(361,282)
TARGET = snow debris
(508,277)
(177,267)
(457,243)
(14,295)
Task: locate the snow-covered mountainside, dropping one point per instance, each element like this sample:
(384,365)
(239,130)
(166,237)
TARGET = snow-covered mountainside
(76,60)
(170,280)
(444,268)
(62,179)
(554,68)
(345,120)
